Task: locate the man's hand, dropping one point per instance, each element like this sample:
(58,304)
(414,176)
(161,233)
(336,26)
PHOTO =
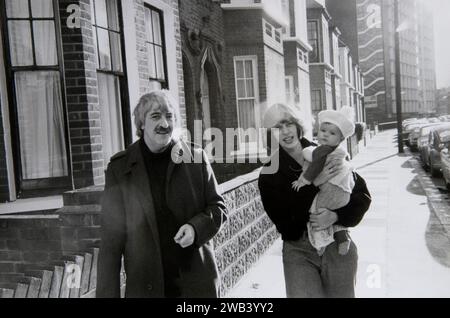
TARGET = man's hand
(185,236)
(324,219)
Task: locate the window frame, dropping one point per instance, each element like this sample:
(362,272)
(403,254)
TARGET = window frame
(122,75)
(318,58)
(44,186)
(313,91)
(290,79)
(326,42)
(268,29)
(164,84)
(253,146)
(300,55)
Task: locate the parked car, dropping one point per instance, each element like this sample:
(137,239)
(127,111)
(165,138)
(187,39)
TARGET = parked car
(433,120)
(445,165)
(444,118)
(408,121)
(410,127)
(421,132)
(423,142)
(438,140)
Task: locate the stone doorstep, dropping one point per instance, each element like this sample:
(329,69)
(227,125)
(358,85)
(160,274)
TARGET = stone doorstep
(436,201)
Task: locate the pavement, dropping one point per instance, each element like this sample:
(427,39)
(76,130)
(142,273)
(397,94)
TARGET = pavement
(403,241)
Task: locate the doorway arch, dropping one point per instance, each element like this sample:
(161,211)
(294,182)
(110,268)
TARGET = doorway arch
(189,96)
(210,90)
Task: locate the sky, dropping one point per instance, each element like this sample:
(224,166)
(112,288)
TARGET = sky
(441,11)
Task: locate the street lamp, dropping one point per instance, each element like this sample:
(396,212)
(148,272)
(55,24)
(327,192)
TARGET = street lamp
(398,81)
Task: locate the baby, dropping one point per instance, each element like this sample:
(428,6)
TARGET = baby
(335,127)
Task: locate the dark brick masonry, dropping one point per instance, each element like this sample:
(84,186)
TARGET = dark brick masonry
(38,251)
(82,97)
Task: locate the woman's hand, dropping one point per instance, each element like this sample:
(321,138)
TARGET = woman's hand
(331,170)
(324,219)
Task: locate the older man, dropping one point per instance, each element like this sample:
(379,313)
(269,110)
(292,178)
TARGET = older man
(158,212)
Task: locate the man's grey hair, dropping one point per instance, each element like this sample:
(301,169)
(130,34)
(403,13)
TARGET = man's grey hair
(145,104)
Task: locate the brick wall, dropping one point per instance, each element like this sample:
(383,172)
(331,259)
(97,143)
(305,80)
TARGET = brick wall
(245,236)
(82,97)
(44,236)
(43,251)
(142,52)
(180,83)
(205,18)
(53,241)
(34,265)
(204,15)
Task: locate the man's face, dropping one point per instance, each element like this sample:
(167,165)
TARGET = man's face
(158,127)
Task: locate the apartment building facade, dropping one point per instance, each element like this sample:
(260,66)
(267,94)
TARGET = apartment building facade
(443,101)
(376,38)
(427,63)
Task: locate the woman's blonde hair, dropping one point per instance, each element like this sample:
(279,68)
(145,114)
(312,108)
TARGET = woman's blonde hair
(145,104)
(279,112)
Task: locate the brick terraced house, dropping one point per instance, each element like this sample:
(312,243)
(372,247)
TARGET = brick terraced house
(71,72)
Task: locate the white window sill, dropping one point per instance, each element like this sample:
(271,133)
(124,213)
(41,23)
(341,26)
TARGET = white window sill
(32,204)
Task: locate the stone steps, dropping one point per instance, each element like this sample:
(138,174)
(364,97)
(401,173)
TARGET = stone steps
(72,276)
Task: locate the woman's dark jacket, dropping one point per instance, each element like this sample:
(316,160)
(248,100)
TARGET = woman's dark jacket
(289,210)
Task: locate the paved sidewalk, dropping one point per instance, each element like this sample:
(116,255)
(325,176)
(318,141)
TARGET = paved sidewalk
(403,247)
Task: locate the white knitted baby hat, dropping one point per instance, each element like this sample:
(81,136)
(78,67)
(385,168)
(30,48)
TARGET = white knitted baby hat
(343,118)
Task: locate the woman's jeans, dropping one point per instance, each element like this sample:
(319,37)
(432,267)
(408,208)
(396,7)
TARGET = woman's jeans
(308,275)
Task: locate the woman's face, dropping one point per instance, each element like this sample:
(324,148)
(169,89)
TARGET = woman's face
(286,134)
